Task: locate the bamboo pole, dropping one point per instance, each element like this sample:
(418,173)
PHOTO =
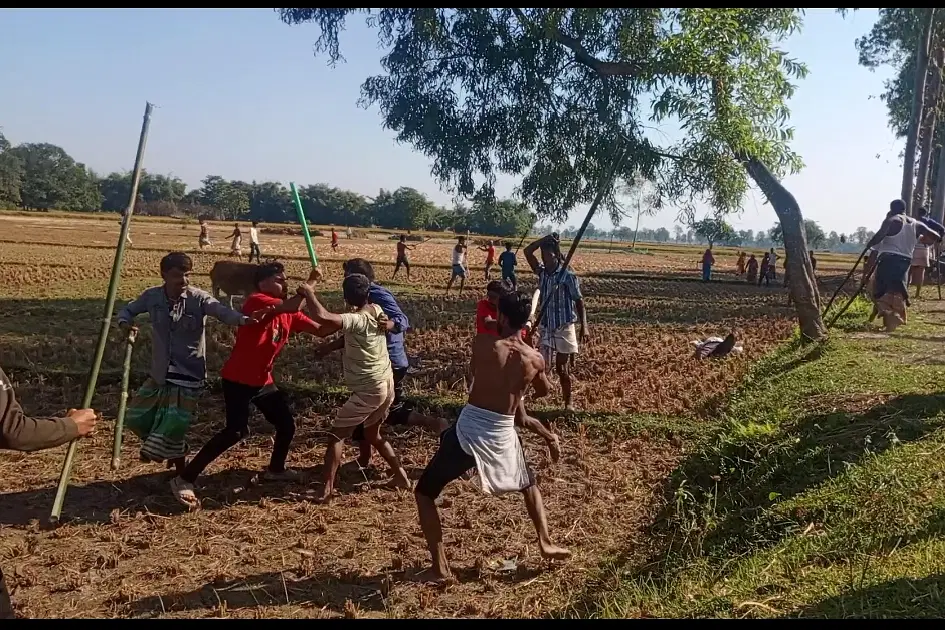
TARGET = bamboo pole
(305,233)
(106,315)
(605,184)
(123,400)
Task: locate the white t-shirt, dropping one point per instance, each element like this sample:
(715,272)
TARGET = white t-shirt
(459,257)
(254,235)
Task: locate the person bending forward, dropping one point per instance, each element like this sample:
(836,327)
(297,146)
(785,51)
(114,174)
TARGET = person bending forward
(484,436)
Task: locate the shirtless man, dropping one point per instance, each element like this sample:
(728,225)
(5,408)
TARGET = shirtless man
(402,260)
(484,436)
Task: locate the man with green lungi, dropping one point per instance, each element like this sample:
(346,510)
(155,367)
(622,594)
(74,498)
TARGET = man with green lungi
(164,407)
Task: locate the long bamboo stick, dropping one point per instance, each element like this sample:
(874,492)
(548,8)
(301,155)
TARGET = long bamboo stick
(106,315)
(123,400)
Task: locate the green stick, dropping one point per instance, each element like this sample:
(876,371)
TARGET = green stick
(123,400)
(304,224)
(106,316)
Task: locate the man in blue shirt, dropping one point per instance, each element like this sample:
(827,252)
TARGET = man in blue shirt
(402,410)
(508,262)
(562,291)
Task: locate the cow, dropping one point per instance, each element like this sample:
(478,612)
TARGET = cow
(239,278)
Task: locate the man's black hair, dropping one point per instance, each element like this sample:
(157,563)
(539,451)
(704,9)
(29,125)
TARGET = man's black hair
(896,206)
(358,265)
(355,288)
(516,306)
(497,287)
(403,237)
(266,271)
(508,244)
(177,260)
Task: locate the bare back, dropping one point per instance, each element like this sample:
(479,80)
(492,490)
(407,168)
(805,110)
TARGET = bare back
(503,368)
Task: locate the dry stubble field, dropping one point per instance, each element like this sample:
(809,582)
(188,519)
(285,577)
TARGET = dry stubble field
(125,549)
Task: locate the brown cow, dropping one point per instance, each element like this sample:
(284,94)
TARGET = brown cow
(239,278)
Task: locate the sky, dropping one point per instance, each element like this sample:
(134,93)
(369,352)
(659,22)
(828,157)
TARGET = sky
(240,94)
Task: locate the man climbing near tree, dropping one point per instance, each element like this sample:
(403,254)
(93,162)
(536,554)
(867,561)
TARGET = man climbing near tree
(562,292)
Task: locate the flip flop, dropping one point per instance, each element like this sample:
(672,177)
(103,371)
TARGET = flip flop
(184,493)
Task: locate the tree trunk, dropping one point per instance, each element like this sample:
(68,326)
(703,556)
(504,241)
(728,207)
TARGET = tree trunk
(803,286)
(929,124)
(938,200)
(918,100)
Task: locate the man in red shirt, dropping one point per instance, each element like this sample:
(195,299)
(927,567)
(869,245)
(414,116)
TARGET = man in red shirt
(247,378)
(490,257)
(487,311)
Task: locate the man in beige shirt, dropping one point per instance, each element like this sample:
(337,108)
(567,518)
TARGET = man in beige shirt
(367,374)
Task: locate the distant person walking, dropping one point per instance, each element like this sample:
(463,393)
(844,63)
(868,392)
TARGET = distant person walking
(459,265)
(204,239)
(508,262)
(254,243)
(490,257)
(707,261)
(236,245)
(402,261)
(334,239)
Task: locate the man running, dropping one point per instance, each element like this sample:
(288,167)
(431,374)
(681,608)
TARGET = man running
(204,239)
(402,411)
(247,378)
(508,262)
(367,372)
(484,436)
(402,261)
(459,265)
(490,257)
(559,337)
(19,432)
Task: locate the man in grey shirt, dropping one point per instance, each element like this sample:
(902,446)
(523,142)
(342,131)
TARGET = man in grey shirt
(164,407)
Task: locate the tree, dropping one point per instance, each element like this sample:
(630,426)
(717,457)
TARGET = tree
(714,229)
(553,95)
(812,231)
(11,174)
(51,179)
(905,38)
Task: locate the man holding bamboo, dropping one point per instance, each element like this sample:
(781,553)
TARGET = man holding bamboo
(19,432)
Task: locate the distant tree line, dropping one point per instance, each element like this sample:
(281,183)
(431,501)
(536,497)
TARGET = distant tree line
(43,176)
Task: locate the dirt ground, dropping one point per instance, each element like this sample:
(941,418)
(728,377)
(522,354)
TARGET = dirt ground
(126,549)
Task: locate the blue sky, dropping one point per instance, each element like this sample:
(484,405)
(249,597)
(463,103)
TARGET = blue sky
(240,95)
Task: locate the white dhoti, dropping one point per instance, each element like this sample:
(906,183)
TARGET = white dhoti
(562,340)
(491,439)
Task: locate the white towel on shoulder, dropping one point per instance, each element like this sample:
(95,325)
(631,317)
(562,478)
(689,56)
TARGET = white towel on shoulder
(491,439)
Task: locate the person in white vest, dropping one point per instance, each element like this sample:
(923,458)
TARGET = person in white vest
(895,243)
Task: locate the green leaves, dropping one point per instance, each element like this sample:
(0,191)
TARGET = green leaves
(547,95)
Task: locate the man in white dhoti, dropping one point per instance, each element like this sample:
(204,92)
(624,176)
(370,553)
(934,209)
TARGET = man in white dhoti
(484,436)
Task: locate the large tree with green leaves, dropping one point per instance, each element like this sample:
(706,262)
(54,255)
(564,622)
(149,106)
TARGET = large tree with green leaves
(898,39)
(552,96)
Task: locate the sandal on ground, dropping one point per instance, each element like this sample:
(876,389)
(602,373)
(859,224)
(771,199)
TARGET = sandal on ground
(184,493)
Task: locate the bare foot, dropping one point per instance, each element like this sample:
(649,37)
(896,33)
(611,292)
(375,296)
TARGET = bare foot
(324,496)
(553,552)
(554,445)
(432,575)
(399,482)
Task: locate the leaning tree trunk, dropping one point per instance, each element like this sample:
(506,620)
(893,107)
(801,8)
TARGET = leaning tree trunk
(918,101)
(938,197)
(929,123)
(803,285)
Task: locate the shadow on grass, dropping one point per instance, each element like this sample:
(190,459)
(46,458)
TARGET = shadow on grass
(905,598)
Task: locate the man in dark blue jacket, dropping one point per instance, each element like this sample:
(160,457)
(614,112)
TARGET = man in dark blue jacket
(402,410)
